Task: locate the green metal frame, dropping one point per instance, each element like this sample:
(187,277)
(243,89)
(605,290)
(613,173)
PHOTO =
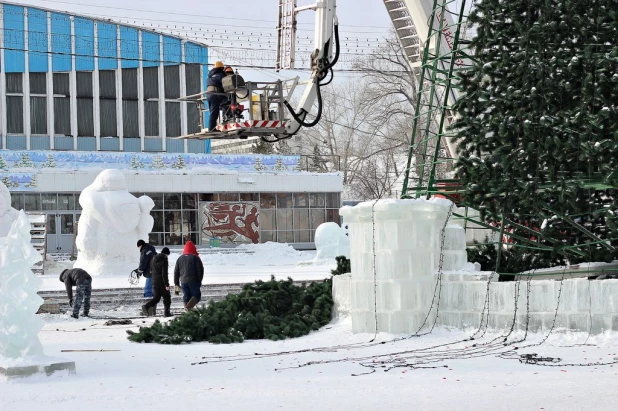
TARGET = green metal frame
(430,121)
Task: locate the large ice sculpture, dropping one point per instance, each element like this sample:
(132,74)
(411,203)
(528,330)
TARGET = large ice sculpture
(403,239)
(19,301)
(112,221)
(7,213)
(331,241)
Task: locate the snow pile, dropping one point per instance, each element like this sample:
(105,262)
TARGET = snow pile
(112,221)
(19,302)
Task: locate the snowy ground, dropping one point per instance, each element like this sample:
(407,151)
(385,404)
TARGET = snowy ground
(159,377)
(249,263)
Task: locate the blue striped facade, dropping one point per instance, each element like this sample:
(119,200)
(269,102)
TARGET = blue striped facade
(62,43)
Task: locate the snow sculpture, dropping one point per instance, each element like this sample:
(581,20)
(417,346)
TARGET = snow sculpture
(112,221)
(331,241)
(19,301)
(7,213)
(402,239)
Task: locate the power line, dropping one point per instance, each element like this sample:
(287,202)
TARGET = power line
(189,15)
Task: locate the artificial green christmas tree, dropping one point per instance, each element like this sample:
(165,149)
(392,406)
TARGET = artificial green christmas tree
(536,122)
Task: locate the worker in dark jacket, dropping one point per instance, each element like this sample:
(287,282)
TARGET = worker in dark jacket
(214,86)
(146,254)
(76,277)
(160,284)
(188,274)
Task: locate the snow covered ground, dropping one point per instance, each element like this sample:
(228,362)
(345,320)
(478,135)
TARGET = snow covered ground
(247,263)
(159,377)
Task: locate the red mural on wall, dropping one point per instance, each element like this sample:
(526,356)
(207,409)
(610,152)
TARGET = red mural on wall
(235,222)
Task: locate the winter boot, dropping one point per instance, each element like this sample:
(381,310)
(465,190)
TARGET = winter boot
(145,311)
(167,312)
(152,311)
(74,316)
(86,314)
(191,303)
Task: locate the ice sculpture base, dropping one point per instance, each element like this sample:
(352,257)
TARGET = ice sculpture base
(34,365)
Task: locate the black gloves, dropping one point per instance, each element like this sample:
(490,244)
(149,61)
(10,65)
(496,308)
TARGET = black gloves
(71,302)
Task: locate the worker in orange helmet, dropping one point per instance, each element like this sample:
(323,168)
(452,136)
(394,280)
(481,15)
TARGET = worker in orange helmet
(229,71)
(214,87)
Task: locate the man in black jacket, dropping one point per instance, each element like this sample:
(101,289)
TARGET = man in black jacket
(76,277)
(214,88)
(160,284)
(147,252)
(188,273)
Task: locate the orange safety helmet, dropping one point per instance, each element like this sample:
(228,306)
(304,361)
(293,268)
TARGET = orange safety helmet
(219,64)
(229,69)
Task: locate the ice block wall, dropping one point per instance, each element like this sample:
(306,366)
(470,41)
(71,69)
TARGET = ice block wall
(397,244)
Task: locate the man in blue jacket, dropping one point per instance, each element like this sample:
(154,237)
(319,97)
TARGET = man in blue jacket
(147,252)
(214,86)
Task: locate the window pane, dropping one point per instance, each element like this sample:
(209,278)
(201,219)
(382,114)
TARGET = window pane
(49,201)
(129,84)
(317,218)
(173,239)
(284,200)
(333,216)
(189,201)
(155,238)
(66,224)
(285,236)
(32,202)
(172,222)
(108,118)
(190,237)
(15,115)
(158,221)
(301,219)
(301,200)
(38,115)
(172,81)
(267,220)
(172,201)
(66,202)
(192,78)
(189,221)
(332,200)
(172,119)
(130,125)
(151,82)
(267,200)
(249,196)
(62,116)
(151,117)
(17,201)
(193,118)
(284,219)
(14,83)
(84,84)
(268,236)
(317,200)
(38,82)
(107,84)
(51,223)
(61,84)
(228,196)
(209,197)
(302,236)
(85,118)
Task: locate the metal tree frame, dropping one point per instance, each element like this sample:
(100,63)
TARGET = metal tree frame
(431,134)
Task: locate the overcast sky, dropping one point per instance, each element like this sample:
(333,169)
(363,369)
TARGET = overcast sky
(244,28)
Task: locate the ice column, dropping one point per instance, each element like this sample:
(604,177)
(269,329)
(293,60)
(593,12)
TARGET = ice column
(402,239)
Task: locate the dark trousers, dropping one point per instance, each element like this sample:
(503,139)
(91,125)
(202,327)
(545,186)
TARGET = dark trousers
(158,291)
(214,104)
(191,290)
(82,292)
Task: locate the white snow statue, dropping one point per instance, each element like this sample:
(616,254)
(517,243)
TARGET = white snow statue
(112,221)
(7,213)
(331,241)
(19,301)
